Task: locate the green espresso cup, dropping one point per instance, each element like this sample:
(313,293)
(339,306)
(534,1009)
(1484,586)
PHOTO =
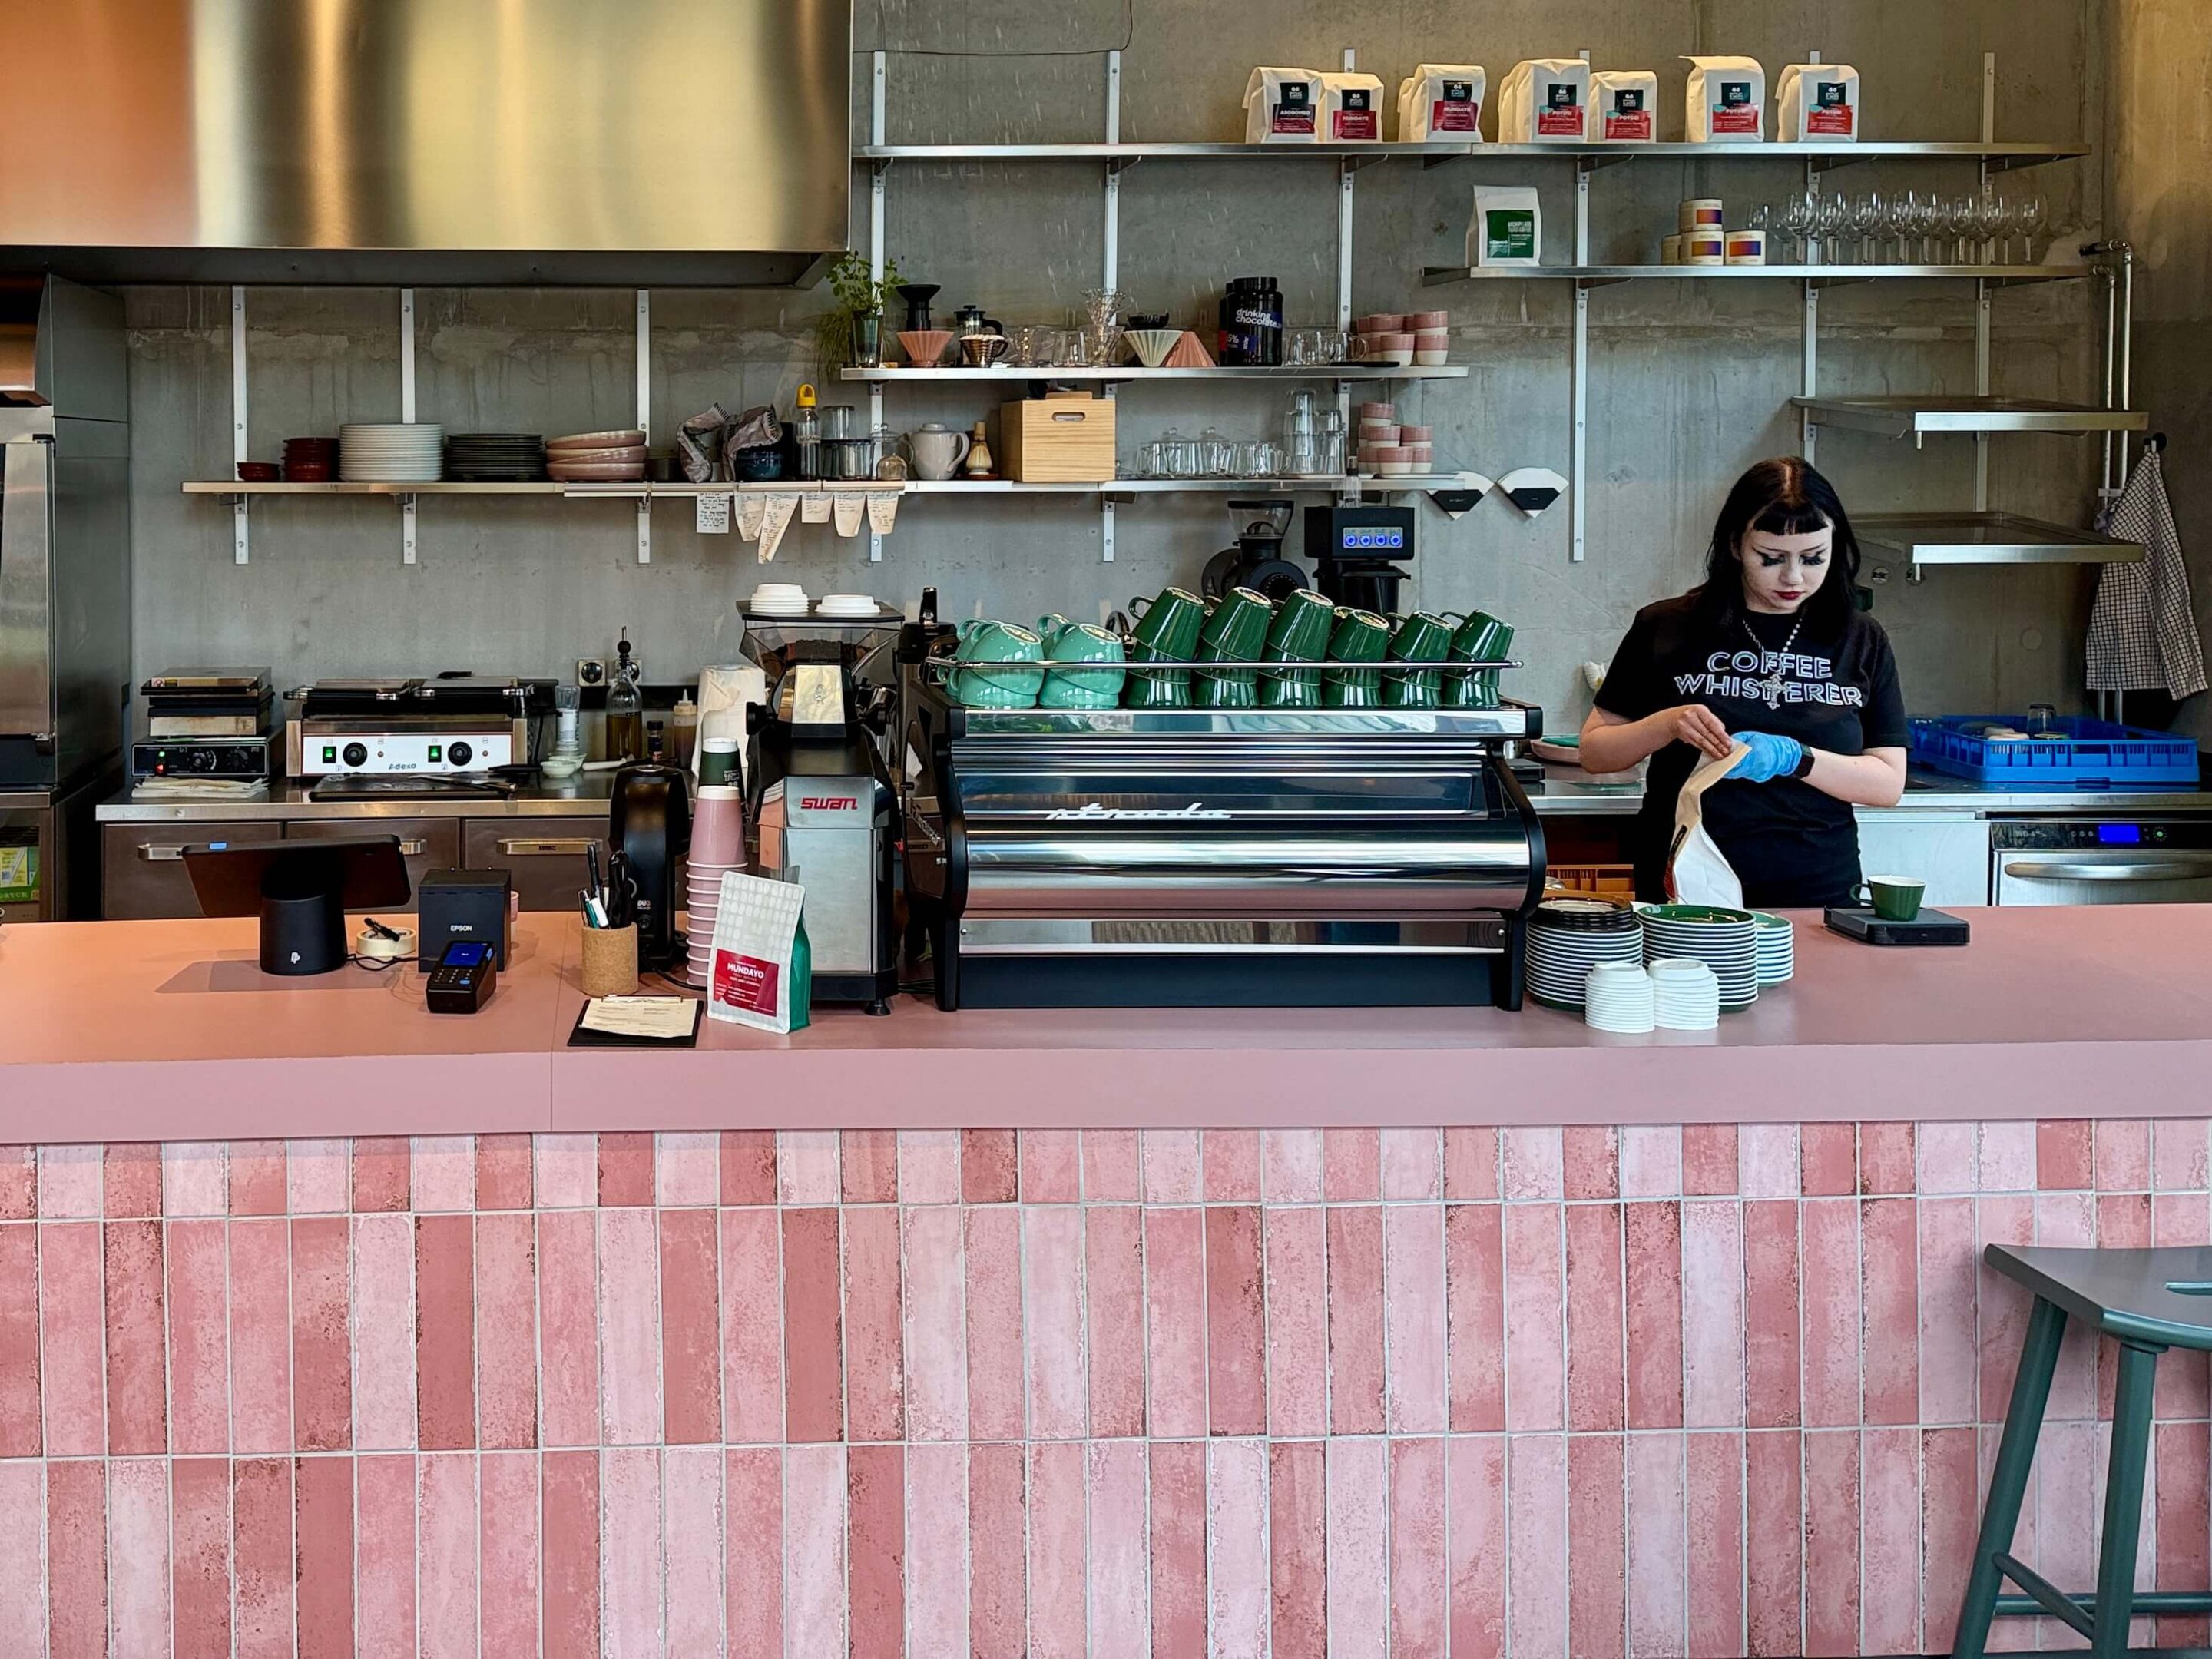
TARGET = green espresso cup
(1303,623)
(1895,898)
(1361,636)
(1167,632)
(999,688)
(1480,638)
(1235,633)
(1086,689)
(1422,637)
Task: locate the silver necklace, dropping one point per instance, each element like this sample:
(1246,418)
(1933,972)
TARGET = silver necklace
(1770,689)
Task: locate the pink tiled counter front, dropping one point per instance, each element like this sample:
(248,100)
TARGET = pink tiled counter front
(1538,1392)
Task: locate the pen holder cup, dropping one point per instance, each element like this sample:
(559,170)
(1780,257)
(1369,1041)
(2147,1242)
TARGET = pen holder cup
(611,961)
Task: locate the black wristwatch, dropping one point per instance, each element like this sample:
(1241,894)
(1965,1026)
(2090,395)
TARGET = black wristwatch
(1804,767)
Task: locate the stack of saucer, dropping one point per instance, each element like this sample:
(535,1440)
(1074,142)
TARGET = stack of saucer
(718,847)
(495,457)
(1724,940)
(1777,938)
(1686,995)
(839,605)
(596,457)
(1568,937)
(390,452)
(1620,997)
(777,599)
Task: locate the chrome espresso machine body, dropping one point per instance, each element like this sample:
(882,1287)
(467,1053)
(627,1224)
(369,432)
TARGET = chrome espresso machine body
(1145,859)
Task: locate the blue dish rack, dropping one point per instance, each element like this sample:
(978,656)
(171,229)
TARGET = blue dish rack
(2082,754)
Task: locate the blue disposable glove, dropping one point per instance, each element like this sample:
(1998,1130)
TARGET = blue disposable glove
(1771,757)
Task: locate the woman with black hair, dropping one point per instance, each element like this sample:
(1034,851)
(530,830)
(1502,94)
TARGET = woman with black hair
(1773,651)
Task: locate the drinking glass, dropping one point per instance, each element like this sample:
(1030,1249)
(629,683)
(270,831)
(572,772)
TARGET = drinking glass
(1835,218)
(1216,455)
(1178,455)
(2030,215)
(1989,225)
(1796,221)
(1868,214)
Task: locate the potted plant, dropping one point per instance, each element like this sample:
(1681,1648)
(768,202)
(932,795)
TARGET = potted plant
(851,330)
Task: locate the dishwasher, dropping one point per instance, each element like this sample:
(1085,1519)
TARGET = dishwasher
(2102,861)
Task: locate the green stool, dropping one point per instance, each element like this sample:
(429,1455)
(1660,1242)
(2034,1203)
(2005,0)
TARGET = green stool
(2149,1301)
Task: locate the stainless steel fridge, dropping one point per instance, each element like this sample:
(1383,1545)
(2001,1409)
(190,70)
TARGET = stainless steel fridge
(65,588)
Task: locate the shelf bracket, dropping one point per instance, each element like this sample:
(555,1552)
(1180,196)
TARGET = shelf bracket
(406,530)
(407,355)
(644,530)
(1106,530)
(1111,232)
(239,537)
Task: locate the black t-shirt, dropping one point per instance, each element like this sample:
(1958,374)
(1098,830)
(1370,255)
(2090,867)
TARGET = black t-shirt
(1791,844)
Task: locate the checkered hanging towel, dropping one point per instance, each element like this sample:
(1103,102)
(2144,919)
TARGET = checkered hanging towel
(2142,631)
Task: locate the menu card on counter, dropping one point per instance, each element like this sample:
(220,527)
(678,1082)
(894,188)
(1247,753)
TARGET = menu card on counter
(643,1022)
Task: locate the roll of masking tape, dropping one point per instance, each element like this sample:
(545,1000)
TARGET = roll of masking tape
(374,947)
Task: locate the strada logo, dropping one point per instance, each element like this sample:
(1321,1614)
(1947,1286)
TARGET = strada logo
(828,802)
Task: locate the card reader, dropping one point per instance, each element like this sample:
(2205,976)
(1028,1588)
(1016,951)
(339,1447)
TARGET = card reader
(462,981)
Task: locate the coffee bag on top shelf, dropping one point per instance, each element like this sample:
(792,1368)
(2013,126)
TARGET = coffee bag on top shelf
(1283,107)
(1442,100)
(1624,107)
(1817,103)
(1352,108)
(1542,101)
(1507,229)
(1727,101)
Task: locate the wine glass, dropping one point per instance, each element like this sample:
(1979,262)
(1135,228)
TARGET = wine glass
(1988,224)
(1868,213)
(1835,218)
(1796,221)
(2030,215)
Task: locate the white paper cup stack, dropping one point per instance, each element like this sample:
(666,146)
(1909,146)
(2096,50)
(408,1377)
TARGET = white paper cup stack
(1777,938)
(1724,940)
(1619,996)
(1685,995)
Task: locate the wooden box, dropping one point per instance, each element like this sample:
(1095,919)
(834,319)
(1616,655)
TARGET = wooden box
(1066,438)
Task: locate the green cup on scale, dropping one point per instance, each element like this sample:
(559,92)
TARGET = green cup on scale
(1235,633)
(1481,637)
(1304,623)
(1361,637)
(1167,632)
(1421,637)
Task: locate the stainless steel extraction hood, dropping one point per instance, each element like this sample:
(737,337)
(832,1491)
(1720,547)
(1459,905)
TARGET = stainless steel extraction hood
(624,142)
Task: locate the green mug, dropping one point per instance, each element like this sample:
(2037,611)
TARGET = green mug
(998,688)
(1167,631)
(1361,636)
(1480,638)
(1895,898)
(1235,633)
(1422,637)
(1303,623)
(1089,688)
(1050,624)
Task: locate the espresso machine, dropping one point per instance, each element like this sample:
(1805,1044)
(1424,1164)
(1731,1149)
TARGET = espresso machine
(825,809)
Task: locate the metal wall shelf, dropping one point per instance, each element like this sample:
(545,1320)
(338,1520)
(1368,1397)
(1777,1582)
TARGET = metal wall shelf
(628,490)
(1820,156)
(1818,276)
(1917,417)
(1924,539)
(907,375)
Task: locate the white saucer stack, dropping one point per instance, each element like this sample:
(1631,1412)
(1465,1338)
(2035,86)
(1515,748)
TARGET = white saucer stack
(847,605)
(392,453)
(1686,994)
(1620,997)
(777,599)
(1777,947)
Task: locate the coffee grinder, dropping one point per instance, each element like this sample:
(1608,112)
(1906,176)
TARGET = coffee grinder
(824,802)
(1257,562)
(1359,554)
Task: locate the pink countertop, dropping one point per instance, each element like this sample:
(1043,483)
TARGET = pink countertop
(167,1031)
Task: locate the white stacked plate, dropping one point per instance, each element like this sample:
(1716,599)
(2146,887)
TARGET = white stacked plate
(778,599)
(1568,937)
(1776,940)
(1724,940)
(393,453)
(848,605)
(1620,997)
(1685,995)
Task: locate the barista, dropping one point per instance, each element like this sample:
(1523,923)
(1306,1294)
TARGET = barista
(1773,651)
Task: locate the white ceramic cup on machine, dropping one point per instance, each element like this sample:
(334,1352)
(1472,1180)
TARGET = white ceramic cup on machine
(937,451)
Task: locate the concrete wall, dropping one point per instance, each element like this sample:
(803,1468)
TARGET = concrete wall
(2158,142)
(1692,383)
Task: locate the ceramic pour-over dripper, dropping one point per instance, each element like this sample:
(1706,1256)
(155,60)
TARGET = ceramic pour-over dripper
(917,296)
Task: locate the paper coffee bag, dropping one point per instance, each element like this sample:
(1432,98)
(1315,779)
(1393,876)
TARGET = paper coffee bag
(1542,101)
(1624,107)
(1352,108)
(1282,107)
(762,973)
(1817,103)
(1441,100)
(1507,229)
(1727,101)
(1696,871)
